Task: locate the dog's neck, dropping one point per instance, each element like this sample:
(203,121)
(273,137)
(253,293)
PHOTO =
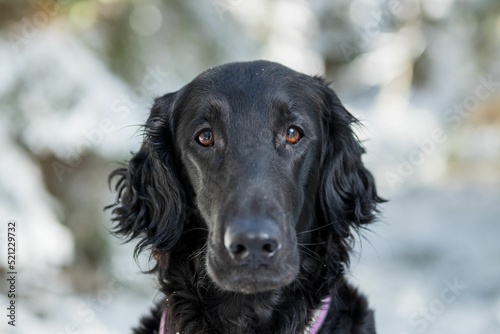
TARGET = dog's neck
(193,300)
(315,327)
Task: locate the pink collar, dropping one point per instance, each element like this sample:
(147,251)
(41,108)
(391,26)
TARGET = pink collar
(320,315)
(319,318)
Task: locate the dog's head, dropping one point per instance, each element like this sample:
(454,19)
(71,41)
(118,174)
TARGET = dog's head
(264,156)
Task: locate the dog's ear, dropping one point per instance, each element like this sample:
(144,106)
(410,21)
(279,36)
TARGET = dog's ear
(347,194)
(150,197)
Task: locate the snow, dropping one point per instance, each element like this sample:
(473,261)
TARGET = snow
(428,239)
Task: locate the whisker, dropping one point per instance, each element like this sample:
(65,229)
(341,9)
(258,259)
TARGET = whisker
(311,253)
(195,228)
(197,253)
(312,244)
(318,228)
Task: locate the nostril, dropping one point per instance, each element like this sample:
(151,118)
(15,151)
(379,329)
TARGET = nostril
(270,247)
(237,249)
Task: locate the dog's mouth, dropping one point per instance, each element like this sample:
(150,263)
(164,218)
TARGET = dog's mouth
(251,278)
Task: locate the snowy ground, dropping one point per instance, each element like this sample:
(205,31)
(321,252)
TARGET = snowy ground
(432,264)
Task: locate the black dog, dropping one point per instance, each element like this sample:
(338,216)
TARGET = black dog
(247,189)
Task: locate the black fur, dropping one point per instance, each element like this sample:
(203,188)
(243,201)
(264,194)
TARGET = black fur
(179,198)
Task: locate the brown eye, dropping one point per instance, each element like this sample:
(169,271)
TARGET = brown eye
(205,137)
(293,135)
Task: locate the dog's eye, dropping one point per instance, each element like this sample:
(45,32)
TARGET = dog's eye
(205,137)
(293,135)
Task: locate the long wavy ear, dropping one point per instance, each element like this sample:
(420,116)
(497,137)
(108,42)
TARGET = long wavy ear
(150,197)
(348,196)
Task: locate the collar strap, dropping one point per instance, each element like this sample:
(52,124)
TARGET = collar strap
(319,318)
(163,322)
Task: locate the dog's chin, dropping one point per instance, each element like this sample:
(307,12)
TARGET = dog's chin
(251,280)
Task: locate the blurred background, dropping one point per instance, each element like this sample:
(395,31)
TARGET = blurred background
(77,79)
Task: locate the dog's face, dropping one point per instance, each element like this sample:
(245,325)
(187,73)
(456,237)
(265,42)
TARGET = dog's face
(249,143)
(264,154)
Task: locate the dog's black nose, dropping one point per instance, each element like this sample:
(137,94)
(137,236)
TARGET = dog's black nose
(252,242)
